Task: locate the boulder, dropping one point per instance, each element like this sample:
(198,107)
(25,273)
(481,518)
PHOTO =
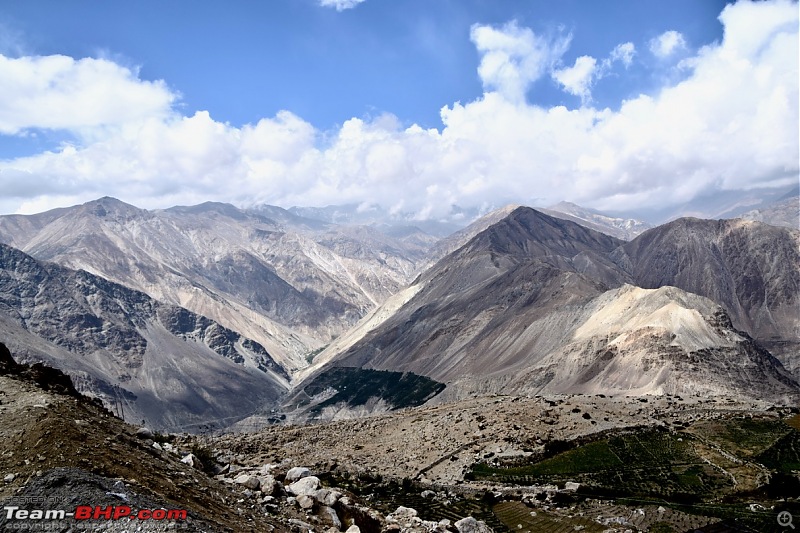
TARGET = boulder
(470,525)
(329,516)
(191,460)
(267,484)
(144,433)
(305,501)
(296,473)
(306,486)
(249,482)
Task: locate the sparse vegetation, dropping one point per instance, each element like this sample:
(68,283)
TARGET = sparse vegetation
(310,356)
(355,386)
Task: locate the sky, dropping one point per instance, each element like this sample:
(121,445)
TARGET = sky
(415,106)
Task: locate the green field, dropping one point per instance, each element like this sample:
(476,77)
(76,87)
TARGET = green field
(685,474)
(648,463)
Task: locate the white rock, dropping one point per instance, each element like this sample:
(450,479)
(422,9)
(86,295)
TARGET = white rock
(332,497)
(250,482)
(402,514)
(267,484)
(306,486)
(353,529)
(191,460)
(9,478)
(305,501)
(296,473)
(470,525)
(571,485)
(144,433)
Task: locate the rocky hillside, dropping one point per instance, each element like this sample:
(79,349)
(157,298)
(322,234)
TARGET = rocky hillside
(785,212)
(152,361)
(749,268)
(60,451)
(621,228)
(287,282)
(535,303)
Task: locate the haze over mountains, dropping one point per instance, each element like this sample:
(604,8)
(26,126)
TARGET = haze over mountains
(519,302)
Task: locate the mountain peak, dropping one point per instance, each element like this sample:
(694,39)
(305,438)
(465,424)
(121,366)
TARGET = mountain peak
(107,205)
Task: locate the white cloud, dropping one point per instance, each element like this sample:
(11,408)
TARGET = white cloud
(58,92)
(731,123)
(340,5)
(578,78)
(512,58)
(667,43)
(623,52)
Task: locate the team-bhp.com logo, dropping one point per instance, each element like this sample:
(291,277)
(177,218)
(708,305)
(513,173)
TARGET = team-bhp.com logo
(95,512)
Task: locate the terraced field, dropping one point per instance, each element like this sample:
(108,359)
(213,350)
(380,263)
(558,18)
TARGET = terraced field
(735,472)
(517,516)
(649,463)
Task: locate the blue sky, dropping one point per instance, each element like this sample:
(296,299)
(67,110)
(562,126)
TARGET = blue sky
(411,104)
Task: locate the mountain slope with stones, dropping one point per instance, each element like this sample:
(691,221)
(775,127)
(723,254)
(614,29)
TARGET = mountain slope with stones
(287,282)
(524,307)
(154,361)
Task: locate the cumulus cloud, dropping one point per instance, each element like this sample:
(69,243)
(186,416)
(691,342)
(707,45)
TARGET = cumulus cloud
(340,5)
(578,78)
(667,43)
(59,92)
(623,52)
(729,124)
(512,58)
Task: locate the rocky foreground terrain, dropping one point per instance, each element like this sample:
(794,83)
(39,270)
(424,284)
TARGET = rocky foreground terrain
(408,471)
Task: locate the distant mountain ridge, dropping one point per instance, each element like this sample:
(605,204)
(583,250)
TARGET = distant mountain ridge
(518,301)
(621,228)
(288,282)
(166,365)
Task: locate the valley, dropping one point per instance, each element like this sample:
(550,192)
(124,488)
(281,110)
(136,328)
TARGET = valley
(528,370)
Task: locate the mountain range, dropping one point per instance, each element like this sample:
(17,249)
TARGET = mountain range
(535,304)
(152,308)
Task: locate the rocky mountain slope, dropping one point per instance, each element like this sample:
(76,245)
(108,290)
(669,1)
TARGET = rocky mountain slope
(785,212)
(524,306)
(749,268)
(287,282)
(61,450)
(150,360)
(621,228)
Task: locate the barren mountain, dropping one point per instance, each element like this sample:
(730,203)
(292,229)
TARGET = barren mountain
(534,304)
(621,228)
(287,282)
(152,361)
(784,213)
(751,269)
